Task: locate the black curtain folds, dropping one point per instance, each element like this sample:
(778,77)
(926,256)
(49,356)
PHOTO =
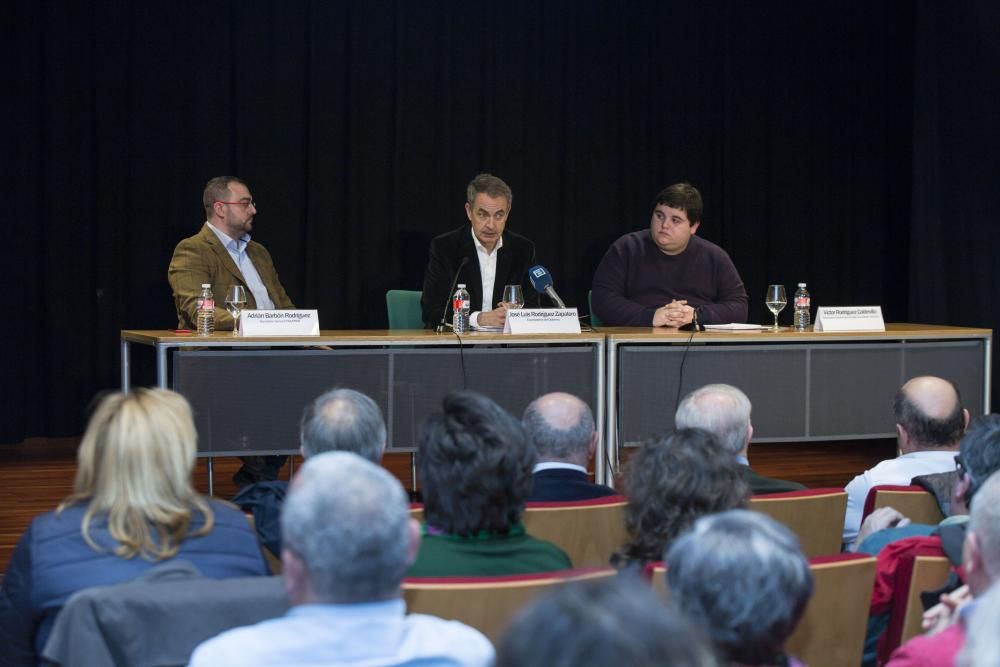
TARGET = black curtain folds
(851,145)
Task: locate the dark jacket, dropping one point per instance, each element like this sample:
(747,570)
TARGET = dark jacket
(760,485)
(446,252)
(52,561)
(563,485)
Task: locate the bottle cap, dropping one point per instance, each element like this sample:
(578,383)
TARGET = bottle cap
(204,285)
(461,286)
(802,284)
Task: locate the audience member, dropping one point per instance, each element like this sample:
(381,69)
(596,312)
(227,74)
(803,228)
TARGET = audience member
(475,461)
(132,507)
(982,639)
(742,578)
(670,483)
(615,621)
(930,421)
(338,420)
(343,580)
(561,428)
(980,567)
(724,411)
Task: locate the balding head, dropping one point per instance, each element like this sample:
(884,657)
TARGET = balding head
(929,414)
(722,410)
(561,427)
(343,420)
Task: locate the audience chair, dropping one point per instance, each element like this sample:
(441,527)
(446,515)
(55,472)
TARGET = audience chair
(831,632)
(929,573)
(486,603)
(404,309)
(417,511)
(159,618)
(914,502)
(589,531)
(816,516)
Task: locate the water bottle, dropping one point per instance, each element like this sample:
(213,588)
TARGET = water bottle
(460,306)
(801,317)
(206,311)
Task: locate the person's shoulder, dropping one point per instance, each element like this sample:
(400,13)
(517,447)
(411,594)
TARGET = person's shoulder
(462,641)
(233,647)
(938,649)
(703,246)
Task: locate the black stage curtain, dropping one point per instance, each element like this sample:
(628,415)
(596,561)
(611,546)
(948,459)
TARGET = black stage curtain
(851,145)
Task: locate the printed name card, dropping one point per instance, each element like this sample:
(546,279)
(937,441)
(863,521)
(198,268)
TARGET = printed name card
(542,320)
(854,318)
(279,323)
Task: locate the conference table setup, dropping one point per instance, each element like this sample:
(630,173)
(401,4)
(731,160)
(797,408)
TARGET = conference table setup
(248,392)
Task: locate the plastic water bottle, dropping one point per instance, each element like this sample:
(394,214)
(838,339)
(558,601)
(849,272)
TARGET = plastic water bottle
(801,317)
(461,305)
(206,311)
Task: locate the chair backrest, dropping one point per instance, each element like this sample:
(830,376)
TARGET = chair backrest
(404,309)
(589,531)
(929,573)
(816,516)
(158,621)
(595,321)
(914,502)
(417,511)
(831,632)
(486,603)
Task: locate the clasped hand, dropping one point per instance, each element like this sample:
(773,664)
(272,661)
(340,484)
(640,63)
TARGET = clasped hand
(674,314)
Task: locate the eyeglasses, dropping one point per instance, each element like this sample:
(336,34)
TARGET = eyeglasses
(245,203)
(959,466)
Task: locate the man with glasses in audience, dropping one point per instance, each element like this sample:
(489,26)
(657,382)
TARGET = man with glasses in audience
(222,254)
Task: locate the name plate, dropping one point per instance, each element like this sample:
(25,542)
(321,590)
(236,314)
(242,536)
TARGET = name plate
(279,323)
(852,318)
(542,320)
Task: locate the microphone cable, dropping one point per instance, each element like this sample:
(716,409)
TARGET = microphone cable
(695,326)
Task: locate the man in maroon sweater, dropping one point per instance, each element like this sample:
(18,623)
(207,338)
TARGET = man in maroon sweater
(662,276)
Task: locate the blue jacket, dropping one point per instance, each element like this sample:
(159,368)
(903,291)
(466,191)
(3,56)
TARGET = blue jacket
(52,561)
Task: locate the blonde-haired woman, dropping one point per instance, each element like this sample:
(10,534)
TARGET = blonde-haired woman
(132,507)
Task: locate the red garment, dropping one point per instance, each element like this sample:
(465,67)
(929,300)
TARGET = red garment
(938,650)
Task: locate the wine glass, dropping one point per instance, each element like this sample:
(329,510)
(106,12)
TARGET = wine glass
(513,296)
(236,298)
(776,301)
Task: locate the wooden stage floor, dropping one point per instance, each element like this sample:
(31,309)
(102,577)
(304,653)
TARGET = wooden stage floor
(37,473)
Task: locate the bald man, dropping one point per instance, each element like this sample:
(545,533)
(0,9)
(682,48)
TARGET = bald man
(930,421)
(561,427)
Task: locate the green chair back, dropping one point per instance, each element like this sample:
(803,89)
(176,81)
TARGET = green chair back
(595,321)
(404,309)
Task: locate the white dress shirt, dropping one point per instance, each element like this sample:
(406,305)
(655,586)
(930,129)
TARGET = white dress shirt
(237,249)
(488,274)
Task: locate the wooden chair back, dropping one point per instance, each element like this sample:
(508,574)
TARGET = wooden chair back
(589,531)
(816,516)
(914,502)
(929,573)
(486,603)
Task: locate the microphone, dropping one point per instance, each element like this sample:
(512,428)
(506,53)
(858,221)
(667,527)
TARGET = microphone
(443,324)
(541,280)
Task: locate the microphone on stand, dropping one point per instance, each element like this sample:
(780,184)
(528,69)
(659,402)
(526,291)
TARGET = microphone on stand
(541,280)
(443,324)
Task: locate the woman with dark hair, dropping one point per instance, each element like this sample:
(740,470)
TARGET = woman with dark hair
(475,465)
(132,507)
(671,482)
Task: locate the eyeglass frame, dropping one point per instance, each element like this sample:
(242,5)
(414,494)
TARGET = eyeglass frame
(245,204)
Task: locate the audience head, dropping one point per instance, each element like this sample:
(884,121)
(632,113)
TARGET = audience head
(740,576)
(346,532)
(722,410)
(343,420)
(929,414)
(978,458)
(982,638)
(561,428)
(475,464)
(671,482)
(134,467)
(597,623)
(981,552)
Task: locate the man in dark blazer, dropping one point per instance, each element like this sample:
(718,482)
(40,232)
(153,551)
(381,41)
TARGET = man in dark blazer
(561,427)
(483,253)
(724,411)
(222,254)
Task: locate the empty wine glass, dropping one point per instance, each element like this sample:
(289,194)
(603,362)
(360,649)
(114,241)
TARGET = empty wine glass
(236,298)
(513,296)
(776,301)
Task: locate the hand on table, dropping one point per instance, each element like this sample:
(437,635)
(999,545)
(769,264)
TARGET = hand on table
(674,314)
(492,318)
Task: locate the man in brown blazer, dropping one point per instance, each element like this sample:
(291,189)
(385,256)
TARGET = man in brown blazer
(222,254)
